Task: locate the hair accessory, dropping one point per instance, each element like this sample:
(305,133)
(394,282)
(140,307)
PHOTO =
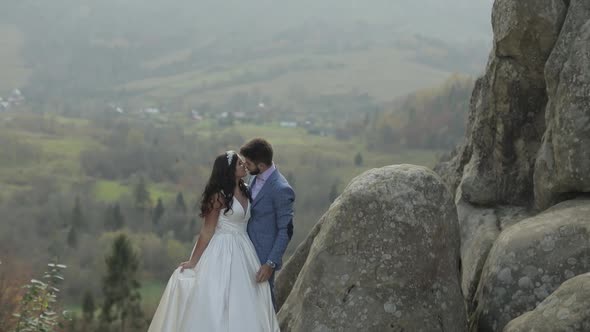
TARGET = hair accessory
(230,156)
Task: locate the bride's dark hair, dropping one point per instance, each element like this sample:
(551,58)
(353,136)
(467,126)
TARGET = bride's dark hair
(221,184)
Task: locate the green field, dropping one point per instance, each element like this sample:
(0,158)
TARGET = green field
(108,191)
(151,292)
(294,144)
(111,191)
(59,156)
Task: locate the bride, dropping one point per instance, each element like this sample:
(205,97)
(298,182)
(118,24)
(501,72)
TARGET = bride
(216,289)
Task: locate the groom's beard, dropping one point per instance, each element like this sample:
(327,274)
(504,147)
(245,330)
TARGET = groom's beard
(255,171)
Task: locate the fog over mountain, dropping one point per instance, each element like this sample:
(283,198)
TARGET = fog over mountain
(87,48)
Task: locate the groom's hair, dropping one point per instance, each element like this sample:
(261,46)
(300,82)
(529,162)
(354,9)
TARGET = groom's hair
(258,150)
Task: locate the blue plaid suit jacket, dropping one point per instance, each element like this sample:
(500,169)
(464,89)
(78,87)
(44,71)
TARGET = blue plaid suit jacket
(271,222)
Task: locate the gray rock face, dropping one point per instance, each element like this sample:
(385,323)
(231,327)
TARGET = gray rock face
(288,274)
(531,259)
(506,120)
(451,167)
(479,229)
(526,31)
(563,163)
(385,259)
(527,146)
(566,310)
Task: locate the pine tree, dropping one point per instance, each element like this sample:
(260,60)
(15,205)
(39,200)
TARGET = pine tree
(180,204)
(113,218)
(358,159)
(121,288)
(118,218)
(72,237)
(158,211)
(141,194)
(88,307)
(77,217)
(77,223)
(108,218)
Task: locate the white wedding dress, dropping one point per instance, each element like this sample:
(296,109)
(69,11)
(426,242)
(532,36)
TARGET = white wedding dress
(221,293)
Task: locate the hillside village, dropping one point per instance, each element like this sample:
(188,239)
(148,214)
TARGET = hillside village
(15,99)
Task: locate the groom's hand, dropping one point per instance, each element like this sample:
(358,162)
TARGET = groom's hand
(264,273)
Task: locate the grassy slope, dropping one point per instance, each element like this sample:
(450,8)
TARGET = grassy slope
(383,73)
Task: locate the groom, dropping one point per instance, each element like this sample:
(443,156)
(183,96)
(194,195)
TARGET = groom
(271,223)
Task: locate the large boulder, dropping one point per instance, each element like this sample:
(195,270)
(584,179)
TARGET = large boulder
(566,310)
(563,161)
(386,258)
(479,229)
(530,260)
(506,119)
(290,271)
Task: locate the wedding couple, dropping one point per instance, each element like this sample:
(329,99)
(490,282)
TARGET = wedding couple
(227,284)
